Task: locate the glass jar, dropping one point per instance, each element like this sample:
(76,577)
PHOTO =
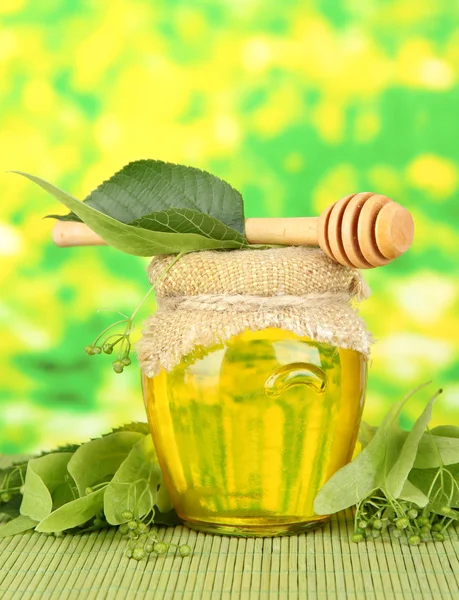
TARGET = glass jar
(247,431)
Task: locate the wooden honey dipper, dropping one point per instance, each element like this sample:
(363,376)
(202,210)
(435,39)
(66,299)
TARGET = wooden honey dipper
(363,231)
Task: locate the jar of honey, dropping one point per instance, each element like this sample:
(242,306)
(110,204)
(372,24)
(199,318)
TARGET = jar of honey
(249,421)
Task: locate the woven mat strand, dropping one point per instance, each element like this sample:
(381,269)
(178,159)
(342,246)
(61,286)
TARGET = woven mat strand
(320,565)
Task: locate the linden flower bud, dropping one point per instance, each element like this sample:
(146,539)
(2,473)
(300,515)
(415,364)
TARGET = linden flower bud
(402,523)
(118,366)
(89,350)
(126,361)
(448,511)
(160,548)
(184,550)
(138,553)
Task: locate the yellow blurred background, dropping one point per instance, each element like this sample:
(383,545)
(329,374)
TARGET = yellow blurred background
(294,103)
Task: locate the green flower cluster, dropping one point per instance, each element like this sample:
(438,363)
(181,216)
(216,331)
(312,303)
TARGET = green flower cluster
(143,541)
(107,343)
(378,514)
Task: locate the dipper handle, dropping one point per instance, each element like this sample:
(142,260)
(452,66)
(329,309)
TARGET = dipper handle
(301,231)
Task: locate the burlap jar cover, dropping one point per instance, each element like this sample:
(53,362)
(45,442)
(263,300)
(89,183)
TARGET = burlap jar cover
(209,296)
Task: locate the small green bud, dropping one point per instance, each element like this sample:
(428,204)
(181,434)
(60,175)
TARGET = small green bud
(22,490)
(397,533)
(99,522)
(127,514)
(412,513)
(447,511)
(5,497)
(89,350)
(59,534)
(414,540)
(142,527)
(123,529)
(126,361)
(97,349)
(88,491)
(359,530)
(184,550)
(402,523)
(138,553)
(357,538)
(376,533)
(118,366)
(129,552)
(426,529)
(107,348)
(421,521)
(437,527)
(377,524)
(133,535)
(149,548)
(160,548)
(363,524)
(438,537)
(132,525)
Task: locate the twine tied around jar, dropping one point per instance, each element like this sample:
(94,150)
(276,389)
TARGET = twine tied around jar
(207,297)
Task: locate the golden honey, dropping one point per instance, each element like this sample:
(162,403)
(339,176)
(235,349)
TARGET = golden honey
(248,431)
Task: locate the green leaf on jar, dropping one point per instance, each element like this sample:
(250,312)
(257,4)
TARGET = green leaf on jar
(131,239)
(150,186)
(186,221)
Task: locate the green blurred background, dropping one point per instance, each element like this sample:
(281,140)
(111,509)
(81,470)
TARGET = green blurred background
(294,103)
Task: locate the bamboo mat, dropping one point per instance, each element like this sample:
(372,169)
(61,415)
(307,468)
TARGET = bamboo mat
(322,564)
